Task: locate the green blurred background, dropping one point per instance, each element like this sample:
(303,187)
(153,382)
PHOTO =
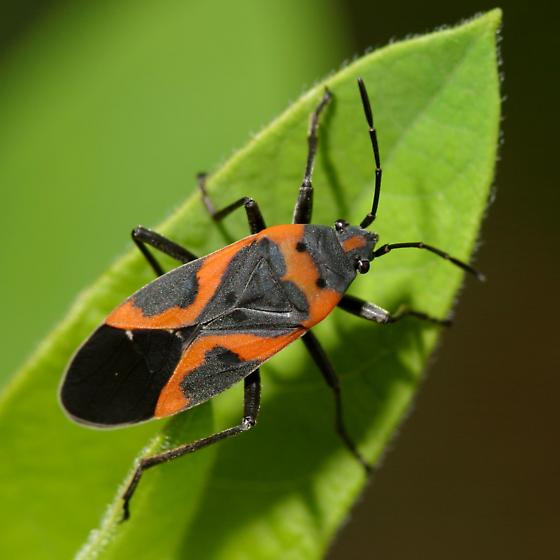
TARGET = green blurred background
(108,109)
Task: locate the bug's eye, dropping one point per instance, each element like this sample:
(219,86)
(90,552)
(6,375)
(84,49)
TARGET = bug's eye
(340,225)
(362,266)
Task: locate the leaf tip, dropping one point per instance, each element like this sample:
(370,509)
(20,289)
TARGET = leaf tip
(494,17)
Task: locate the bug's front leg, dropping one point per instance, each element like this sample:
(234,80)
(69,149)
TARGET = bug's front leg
(304,205)
(372,312)
(252,399)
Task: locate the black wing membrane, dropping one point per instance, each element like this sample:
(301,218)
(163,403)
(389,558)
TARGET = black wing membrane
(117,376)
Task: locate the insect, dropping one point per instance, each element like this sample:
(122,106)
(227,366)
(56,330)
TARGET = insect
(197,330)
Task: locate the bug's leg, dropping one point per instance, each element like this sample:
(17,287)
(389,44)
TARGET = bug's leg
(252,399)
(373,312)
(326,369)
(304,204)
(384,249)
(254,216)
(143,236)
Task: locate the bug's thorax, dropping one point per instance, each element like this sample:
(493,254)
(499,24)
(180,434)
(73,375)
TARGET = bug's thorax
(324,255)
(313,261)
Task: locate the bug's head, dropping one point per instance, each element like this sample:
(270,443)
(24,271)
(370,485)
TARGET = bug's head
(357,243)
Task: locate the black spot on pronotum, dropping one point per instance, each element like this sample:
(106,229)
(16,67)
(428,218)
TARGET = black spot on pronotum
(321,282)
(301,247)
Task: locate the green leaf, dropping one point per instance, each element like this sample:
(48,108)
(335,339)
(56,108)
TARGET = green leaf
(283,489)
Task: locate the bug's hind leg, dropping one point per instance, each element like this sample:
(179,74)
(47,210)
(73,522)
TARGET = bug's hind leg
(373,312)
(254,216)
(143,236)
(252,399)
(304,204)
(320,358)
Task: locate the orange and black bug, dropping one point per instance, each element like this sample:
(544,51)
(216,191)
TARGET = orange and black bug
(198,329)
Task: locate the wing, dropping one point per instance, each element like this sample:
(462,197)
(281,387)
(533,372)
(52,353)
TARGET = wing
(123,377)
(178,298)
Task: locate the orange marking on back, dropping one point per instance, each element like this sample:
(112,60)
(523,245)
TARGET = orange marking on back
(209,276)
(302,271)
(247,346)
(353,242)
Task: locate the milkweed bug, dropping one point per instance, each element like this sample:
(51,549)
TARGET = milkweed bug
(202,327)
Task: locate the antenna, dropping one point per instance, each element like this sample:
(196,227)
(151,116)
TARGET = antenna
(370,217)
